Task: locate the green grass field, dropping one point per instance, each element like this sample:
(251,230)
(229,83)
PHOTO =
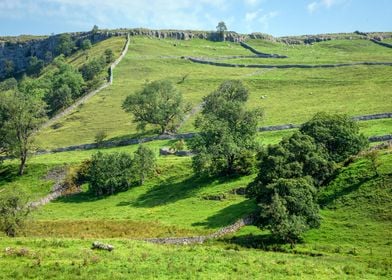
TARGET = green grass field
(353,242)
(290,95)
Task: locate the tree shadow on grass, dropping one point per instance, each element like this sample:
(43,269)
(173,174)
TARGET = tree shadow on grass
(8,174)
(79,198)
(173,190)
(326,198)
(229,215)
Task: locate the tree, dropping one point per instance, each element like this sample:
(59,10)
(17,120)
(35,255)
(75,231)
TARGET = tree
(65,44)
(59,98)
(221,29)
(110,173)
(109,55)
(289,208)
(91,69)
(338,134)
(95,29)
(158,103)
(9,68)
(86,44)
(144,163)
(13,212)
(227,131)
(294,157)
(22,115)
(35,66)
(68,75)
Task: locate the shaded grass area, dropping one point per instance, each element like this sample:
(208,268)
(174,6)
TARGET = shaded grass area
(286,95)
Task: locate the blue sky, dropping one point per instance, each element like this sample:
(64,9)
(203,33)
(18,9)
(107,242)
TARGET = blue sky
(276,17)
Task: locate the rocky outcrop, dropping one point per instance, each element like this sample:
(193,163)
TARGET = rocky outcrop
(188,34)
(19,52)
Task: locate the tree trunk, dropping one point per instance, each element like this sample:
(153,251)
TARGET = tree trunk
(22,164)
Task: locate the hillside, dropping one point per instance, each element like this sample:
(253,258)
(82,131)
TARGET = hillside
(285,95)
(354,240)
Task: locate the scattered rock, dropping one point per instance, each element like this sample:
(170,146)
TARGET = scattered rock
(102,246)
(215,197)
(239,191)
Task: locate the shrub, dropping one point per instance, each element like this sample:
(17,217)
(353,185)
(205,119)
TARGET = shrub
(100,137)
(109,56)
(13,213)
(110,173)
(86,44)
(144,163)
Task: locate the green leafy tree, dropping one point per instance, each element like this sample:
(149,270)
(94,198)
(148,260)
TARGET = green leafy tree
(158,103)
(14,211)
(221,29)
(35,66)
(91,69)
(294,157)
(110,173)
(227,132)
(22,115)
(67,75)
(9,68)
(65,44)
(144,163)
(86,44)
(289,208)
(338,134)
(8,84)
(59,98)
(109,55)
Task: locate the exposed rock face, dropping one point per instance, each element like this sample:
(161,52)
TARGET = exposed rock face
(20,52)
(188,34)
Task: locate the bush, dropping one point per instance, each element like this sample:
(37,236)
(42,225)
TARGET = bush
(144,163)
(13,213)
(110,173)
(109,56)
(91,69)
(100,137)
(86,44)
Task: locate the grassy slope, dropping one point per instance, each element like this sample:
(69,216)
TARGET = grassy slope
(354,241)
(292,95)
(335,51)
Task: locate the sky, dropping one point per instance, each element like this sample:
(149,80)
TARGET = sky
(275,17)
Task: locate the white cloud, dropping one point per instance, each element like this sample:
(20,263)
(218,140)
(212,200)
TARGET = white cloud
(258,20)
(312,7)
(82,14)
(326,4)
